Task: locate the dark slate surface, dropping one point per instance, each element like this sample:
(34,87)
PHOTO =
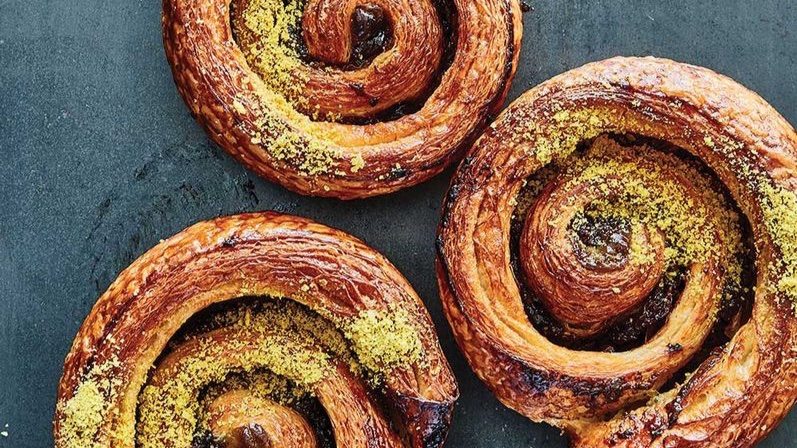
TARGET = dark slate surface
(101,160)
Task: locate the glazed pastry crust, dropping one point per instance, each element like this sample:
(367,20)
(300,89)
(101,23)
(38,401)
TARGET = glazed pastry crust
(323,158)
(269,254)
(743,390)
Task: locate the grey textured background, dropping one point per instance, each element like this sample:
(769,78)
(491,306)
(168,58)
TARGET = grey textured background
(101,160)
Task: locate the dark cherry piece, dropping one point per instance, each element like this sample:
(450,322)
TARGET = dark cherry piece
(253,436)
(371,33)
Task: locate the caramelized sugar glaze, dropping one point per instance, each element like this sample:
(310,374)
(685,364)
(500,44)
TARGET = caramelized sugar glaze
(259,330)
(343,98)
(617,257)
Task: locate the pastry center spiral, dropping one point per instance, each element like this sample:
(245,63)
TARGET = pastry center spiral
(239,376)
(615,225)
(342,59)
(242,420)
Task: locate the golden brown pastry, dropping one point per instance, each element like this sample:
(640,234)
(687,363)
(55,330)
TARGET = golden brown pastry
(618,257)
(343,98)
(259,330)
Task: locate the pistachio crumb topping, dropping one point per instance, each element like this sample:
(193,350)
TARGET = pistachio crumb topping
(561,138)
(357,163)
(267,34)
(697,223)
(83,415)
(88,408)
(780,217)
(383,340)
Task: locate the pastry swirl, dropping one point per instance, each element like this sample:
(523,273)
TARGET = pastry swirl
(343,98)
(256,330)
(617,257)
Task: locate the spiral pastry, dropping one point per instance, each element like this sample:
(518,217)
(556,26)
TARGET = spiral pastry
(260,330)
(617,257)
(343,98)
